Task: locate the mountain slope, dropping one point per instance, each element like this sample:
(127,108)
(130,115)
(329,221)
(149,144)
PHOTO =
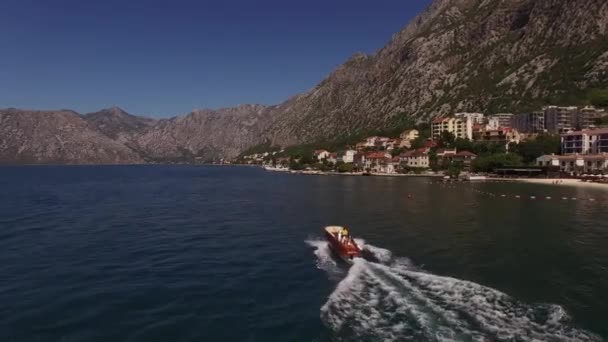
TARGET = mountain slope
(204,134)
(116,123)
(459,55)
(56,137)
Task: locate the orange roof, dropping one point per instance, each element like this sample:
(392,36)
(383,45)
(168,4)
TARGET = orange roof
(375,155)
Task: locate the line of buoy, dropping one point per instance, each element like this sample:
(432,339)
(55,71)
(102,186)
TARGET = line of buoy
(519,196)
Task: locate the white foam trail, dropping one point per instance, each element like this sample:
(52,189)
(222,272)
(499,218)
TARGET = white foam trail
(393,301)
(325,260)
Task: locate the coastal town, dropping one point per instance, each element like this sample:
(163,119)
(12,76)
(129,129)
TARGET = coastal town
(555,141)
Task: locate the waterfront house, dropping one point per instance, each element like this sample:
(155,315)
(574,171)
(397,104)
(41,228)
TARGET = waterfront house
(332,158)
(576,163)
(321,154)
(348,156)
(415,159)
(376,161)
(449,156)
(465,158)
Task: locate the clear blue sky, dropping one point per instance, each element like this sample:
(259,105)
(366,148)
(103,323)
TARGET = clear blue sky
(163,58)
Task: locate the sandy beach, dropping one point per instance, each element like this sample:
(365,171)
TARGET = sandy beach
(552,181)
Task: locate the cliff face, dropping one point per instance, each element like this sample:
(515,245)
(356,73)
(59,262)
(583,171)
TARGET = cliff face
(459,55)
(58,137)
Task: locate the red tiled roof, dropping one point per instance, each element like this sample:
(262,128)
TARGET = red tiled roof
(413,153)
(439,119)
(375,155)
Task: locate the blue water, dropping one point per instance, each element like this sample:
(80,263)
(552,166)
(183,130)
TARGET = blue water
(182,253)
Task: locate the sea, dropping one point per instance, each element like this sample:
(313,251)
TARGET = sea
(226,253)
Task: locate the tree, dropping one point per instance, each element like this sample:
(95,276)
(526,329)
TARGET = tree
(599,97)
(418,143)
(532,149)
(433,160)
(295,165)
(464,145)
(345,167)
(489,162)
(446,139)
(396,151)
(455,169)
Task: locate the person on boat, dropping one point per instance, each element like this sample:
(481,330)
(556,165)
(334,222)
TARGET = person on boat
(344,235)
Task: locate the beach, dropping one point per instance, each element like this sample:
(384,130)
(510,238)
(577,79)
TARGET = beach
(555,182)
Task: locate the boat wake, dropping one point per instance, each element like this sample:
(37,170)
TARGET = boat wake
(389,299)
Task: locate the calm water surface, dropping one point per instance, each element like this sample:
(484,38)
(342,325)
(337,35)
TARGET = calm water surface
(156,253)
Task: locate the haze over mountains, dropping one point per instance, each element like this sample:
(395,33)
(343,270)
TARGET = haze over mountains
(458,55)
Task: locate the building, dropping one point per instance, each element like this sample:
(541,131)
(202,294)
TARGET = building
(585,142)
(321,154)
(476,118)
(415,159)
(332,158)
(560,119)
(376,161)
(587,117)
(407,137)
(502,136)
(529,122)
(461,128)
(348,156)
(500,120)
(579,164)
(493,123)
(392,144)
(449,156)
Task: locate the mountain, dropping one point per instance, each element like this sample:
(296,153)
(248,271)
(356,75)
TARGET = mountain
(458,55)
(118,124)
(204,134)
(57,137)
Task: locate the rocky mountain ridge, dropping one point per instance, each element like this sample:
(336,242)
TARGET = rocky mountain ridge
(458,55)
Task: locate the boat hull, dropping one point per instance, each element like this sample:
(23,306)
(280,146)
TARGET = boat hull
(346,251)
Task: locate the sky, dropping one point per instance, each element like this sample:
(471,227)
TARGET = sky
(164,58)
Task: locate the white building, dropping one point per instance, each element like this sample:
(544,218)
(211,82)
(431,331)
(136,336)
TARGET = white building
(585,142)
(415,159)
(590,163)
(461,128)
(349,156)
(476,118)
(321,154)
(501,120)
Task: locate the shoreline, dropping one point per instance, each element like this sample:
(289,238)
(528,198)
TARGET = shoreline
(550,181)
